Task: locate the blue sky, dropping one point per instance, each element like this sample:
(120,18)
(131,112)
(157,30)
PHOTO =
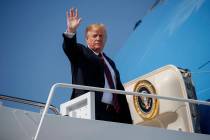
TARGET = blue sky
(31,57)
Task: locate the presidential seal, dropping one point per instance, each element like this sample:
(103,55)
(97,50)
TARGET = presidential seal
(146,107)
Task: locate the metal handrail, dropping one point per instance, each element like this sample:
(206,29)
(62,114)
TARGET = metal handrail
(89,88)
(28,102)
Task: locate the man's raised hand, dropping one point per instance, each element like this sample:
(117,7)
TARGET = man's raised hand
(73,20)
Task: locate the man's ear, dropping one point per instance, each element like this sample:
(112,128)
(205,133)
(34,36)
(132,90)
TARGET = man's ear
(86,39)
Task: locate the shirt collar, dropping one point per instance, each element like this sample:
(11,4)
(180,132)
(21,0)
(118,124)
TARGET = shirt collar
(95,52)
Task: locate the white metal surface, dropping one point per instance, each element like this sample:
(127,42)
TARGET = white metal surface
(168,82)
(80,107)
(21,125)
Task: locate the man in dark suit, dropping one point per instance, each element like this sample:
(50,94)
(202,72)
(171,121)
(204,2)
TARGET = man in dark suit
(91,67)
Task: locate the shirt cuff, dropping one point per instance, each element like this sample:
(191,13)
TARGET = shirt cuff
(69,35)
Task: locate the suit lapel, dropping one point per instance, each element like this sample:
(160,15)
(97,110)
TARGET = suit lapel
(110,62)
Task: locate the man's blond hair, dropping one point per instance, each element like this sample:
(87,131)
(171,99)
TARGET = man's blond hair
(95,26)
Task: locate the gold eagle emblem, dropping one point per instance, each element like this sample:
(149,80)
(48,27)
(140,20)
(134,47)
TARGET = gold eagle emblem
(146,107)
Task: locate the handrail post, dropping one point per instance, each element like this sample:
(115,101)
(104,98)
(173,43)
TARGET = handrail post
(46,108)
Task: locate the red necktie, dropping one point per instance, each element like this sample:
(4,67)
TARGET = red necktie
(107,72)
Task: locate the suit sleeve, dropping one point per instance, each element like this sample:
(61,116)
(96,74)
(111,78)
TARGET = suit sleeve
(71,48)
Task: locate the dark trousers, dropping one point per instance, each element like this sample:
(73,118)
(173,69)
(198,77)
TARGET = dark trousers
(106,112)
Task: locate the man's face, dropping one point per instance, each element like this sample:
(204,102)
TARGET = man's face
(96,39)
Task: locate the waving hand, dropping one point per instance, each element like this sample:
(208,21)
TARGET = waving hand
(73,20)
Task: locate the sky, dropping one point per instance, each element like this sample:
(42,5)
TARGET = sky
(31,55)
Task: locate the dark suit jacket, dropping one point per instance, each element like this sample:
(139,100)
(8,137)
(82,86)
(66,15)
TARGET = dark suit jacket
(87,70)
